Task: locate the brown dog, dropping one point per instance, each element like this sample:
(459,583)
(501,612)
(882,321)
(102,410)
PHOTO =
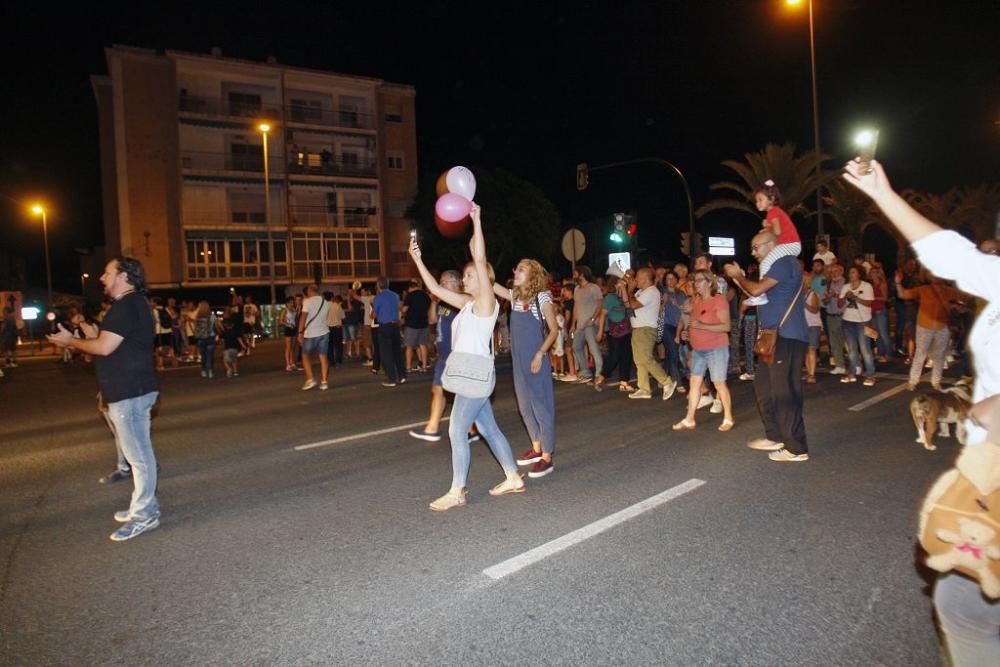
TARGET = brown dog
(933,410)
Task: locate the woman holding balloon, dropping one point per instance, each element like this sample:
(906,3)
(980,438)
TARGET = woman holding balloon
(472,332)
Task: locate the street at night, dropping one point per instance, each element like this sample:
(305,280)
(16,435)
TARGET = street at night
(271,552)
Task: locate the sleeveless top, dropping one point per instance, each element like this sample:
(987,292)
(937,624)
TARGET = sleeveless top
(471,333)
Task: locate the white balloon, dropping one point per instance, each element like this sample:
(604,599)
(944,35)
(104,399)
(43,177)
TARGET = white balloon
(461,182)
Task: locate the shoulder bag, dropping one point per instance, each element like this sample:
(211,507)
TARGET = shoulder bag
(767,339)
(468,374)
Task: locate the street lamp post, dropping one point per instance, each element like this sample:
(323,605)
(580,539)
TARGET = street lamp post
(83,283)
(265,129)
(38,209)
(815,96)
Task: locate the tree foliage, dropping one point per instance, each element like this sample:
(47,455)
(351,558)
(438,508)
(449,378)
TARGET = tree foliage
(795,175)
(518,221)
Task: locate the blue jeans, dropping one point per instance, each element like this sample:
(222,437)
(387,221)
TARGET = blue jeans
(464,412)
(587,335)
(206,347)
(673,352)
(880,320)
(854,332)
(131,420)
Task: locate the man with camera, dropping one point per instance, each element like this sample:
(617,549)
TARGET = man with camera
(124,362)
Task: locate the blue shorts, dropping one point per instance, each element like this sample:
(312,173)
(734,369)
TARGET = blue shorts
(814,336)
(315,345)
(439,369)
(714,361)
(230,355)
(350,331)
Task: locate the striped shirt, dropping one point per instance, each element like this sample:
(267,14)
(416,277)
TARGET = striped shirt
(541,298)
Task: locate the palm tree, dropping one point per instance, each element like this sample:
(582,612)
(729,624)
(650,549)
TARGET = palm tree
(978,210)
(851,209)
(938,208)
(796,176)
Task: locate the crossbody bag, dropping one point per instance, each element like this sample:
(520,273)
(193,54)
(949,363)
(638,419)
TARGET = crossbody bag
(469,374)
(767,339)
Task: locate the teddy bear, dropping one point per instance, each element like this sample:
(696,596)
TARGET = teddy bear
(974,548)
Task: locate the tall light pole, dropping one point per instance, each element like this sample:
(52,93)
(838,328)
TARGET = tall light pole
(83,283)
(265,128)
(38,209)
(812,62)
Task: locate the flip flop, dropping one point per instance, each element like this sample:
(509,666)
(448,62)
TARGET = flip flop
(683,425)
(726,425)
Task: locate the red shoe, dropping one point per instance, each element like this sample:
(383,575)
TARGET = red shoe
(540,469)
(529,457)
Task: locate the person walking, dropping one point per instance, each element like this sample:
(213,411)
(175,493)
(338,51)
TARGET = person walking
(642,297)
(778,382)
(615,326)
(314,337)
(472,335)
(708,332)
(672,303)
(206,334)
(932,334)
(588,301)
(533,331)
(856,299)
(290,322)
(128,384)
(443,314)
(386,312)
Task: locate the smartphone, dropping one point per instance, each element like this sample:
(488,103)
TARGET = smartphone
(866,143)
(413,234)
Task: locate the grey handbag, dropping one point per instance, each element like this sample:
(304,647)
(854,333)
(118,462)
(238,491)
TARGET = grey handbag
(469,375)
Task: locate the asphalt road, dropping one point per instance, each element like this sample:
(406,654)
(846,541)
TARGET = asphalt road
(268,554)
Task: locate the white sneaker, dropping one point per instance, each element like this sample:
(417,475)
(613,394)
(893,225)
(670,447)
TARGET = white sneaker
(309,385)
(839,370)
(640,393)
(669,390)
(716,407)
(746,377)
(704,401)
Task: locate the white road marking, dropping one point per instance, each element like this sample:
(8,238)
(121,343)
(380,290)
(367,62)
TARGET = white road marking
(542,552)
(878,398)
(361,436)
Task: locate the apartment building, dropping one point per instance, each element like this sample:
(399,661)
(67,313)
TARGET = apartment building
(189,188)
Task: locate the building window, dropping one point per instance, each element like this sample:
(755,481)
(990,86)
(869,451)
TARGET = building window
(234,258)
(244,104)
(306,111)
(395,159)
(247,206)
(336,255)
(394,113)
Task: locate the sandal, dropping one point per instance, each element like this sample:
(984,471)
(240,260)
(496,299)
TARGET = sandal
(447,502)
(625,386)
(727,425)
(509,485)
(810,379)
(684,425)
(599,383)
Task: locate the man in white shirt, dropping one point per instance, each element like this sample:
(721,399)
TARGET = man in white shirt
(823,253)
(314,336)
(642,297)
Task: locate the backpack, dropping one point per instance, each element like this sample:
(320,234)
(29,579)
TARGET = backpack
(960,518)
(204,327)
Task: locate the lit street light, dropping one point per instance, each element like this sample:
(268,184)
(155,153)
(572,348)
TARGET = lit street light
(812,61)
(38,209)
(265,128)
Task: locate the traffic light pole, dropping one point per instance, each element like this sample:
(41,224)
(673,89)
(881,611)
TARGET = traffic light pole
(587,169)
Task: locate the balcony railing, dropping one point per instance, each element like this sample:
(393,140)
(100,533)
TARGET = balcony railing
(307,115)
(205,161)
(325,164)
(223,107)
(321,216)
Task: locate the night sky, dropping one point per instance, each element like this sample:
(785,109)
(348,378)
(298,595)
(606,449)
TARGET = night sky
(536,88)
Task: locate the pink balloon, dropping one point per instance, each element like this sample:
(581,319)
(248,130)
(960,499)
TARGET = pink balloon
(451,207)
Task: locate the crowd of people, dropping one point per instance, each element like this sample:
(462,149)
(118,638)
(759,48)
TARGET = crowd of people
(688,329)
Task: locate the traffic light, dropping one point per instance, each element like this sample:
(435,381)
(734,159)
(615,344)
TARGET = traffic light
(690,243)
(582,176)
(618,234)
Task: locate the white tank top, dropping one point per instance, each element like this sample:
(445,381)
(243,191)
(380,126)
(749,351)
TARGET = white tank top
(471,333)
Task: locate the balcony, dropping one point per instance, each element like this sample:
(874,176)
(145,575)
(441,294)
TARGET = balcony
(326,164)
(218,107)
(228,162)
(342,118)
(360,218)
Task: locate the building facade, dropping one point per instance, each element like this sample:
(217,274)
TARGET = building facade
(190,190)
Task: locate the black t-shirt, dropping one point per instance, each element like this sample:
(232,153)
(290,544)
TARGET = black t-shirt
(230,338)
(128,371)
(417,306)
(353,311)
